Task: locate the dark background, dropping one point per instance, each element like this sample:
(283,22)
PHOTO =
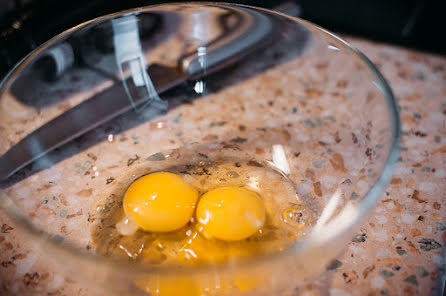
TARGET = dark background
(419,24)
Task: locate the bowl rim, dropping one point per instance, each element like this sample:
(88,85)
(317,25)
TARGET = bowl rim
(365,205)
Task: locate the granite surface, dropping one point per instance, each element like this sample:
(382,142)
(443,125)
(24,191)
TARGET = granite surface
(399,250)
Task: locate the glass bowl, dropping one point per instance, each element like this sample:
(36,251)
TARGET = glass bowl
(128,93)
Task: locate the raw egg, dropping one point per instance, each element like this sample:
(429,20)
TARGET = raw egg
(160,202)
(230,213)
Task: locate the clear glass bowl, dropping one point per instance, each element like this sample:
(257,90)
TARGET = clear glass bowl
(83,112)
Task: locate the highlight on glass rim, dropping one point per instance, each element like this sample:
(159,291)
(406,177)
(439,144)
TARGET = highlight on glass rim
(203,149)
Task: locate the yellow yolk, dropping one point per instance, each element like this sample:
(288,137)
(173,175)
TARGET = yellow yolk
(170,285)
(160,202)
(203,284)
(230,213)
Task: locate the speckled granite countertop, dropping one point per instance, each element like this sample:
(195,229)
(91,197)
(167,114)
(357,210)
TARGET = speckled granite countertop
(399,250)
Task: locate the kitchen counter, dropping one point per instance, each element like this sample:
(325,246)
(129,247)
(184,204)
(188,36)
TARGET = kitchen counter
(400,248)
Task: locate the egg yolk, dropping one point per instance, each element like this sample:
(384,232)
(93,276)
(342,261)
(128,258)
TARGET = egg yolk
(160,202)
(171,286)
(230,213)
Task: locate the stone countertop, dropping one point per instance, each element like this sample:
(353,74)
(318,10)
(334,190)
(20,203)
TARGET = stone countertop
(399,250)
